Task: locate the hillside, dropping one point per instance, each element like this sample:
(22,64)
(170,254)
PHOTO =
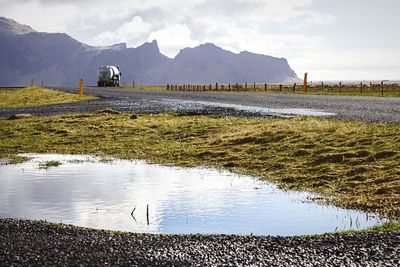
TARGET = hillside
(61,60)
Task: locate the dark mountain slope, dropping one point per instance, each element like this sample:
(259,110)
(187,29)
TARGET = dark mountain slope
(61,60)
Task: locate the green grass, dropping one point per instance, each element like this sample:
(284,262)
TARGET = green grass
(348,92)
(15,159)
(48,164)
(36,96)
(385,227)
(352,164)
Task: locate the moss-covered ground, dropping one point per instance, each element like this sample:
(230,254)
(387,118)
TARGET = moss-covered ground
(352,164)
(36,96)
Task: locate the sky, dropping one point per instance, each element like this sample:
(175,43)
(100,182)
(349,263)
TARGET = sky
(329,39)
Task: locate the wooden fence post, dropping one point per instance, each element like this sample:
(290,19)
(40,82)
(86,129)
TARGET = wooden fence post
(294,87)
(81,87)
(280,87)
(382,88)
(133,84)
(305,84)
(245,86)
(361,87)
(322,86)
(265,87)
(340,87)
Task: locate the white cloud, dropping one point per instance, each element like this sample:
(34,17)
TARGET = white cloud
(283,28)
(132,32)
(49,19)
(315,18)
(281,45)
(362,64)
(173,38)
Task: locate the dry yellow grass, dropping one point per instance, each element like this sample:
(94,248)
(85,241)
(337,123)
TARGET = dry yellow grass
(36,96)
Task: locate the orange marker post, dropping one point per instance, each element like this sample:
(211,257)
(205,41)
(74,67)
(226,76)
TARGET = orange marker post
(81,88)
(305,85)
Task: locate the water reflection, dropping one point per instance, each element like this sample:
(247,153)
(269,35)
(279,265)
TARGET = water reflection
(86,192)
(280,112)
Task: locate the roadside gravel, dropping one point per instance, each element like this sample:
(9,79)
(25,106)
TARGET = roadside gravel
(24,243)
(242,104)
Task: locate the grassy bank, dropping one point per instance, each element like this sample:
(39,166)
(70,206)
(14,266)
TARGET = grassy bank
(36,96)
(287,89)
(385,227)
(354,164)
(381,228)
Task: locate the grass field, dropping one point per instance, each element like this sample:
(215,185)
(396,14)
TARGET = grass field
(347,92)
(353,164)
(36,96)
(286,89)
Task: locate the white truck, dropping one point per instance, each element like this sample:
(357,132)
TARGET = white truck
(109,76)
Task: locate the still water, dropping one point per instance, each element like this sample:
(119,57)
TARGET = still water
(87,191)
(279,112)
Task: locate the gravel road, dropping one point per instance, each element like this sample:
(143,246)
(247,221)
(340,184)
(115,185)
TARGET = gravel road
(24,243)
(370,109)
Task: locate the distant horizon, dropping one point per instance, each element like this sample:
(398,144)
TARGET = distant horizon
(331,40)
(300,75)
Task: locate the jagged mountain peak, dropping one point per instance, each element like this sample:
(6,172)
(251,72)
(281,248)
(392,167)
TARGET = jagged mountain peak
(150,46)
(12,27)
(202,52)
(59,59)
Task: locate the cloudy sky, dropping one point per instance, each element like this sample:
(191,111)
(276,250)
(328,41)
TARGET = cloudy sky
(331,39)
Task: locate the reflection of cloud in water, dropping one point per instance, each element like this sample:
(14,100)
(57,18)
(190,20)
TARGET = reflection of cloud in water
(102,195)
(280,112)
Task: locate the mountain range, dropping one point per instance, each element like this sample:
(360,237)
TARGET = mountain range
(59,59)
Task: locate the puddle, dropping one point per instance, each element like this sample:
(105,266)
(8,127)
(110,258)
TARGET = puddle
(98,193)
(280,112)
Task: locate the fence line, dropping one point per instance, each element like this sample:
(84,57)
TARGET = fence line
(294,87)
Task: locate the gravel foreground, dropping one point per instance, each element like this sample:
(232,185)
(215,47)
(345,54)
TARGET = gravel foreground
(234,104)
(34,243)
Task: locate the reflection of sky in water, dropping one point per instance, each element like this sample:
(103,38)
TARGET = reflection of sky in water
(281,112)
(102,195)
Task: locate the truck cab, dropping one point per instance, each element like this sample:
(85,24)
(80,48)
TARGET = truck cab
(108,76)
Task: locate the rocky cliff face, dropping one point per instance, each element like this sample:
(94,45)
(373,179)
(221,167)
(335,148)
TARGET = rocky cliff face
(61,60)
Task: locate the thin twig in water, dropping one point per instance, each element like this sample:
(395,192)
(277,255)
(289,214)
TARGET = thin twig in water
(133,217)
(147,214)
(132,213)
(133,210)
